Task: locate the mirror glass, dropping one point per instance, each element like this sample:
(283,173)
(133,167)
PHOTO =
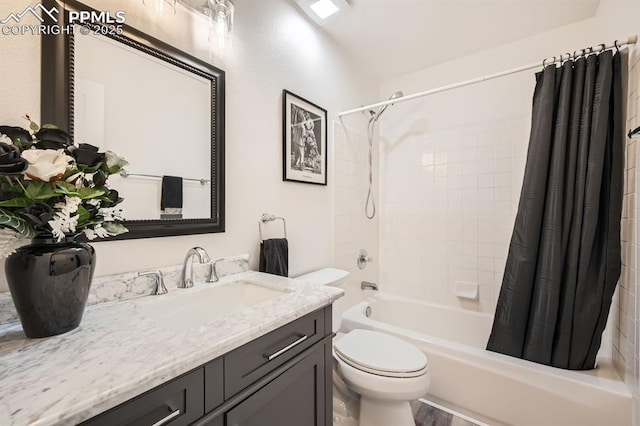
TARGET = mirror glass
(155,115)
(157,106)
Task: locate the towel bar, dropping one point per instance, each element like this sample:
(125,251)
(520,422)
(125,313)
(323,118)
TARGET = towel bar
(266,217)
(125,174)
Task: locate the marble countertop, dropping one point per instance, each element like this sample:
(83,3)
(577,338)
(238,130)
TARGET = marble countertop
(119,351)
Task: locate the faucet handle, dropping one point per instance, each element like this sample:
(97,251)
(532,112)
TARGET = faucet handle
(158,280)
(363,259)
(213,274)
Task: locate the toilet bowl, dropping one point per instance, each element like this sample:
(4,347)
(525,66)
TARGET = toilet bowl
(387,372)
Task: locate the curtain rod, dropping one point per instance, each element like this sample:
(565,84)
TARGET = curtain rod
(617,44)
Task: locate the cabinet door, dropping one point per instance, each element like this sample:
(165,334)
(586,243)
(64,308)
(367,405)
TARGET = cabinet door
(250,362)
(296,397)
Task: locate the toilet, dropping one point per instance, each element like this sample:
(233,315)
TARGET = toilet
(385,371)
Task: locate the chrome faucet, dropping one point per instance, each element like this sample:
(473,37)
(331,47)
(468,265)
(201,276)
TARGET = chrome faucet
(186,279)
(366,285)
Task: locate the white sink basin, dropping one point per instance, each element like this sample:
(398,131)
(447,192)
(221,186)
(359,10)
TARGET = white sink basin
(196,307)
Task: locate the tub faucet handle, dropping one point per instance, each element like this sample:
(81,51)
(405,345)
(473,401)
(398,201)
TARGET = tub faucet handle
(363,259)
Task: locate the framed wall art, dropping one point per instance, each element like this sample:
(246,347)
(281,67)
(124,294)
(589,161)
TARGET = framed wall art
(304,140)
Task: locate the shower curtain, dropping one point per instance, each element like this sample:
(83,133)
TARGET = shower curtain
(564,257)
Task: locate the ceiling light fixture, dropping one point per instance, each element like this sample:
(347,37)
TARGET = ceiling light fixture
(324,8)
(323,11)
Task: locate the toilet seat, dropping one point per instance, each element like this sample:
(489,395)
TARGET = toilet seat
(381,354)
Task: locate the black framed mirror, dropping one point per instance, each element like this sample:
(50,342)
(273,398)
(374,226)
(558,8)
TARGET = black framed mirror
(161,149)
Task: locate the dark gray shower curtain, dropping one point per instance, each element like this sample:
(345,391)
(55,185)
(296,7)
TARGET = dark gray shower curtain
(564,257)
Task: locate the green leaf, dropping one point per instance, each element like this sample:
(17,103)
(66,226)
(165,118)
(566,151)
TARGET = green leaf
(36,190)
(114,228)
(66,188)
(89,169)
(49,126)
(89,193)
(34,127)
(115,169)
(16,202)
(69,173)
(10,220)
(83,216)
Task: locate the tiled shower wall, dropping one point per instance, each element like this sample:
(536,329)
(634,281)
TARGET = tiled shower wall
(352,230)
(625,311)
(449,203)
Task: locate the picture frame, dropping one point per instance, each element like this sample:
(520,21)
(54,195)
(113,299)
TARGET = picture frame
(304,140)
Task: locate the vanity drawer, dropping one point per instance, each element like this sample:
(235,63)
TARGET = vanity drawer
(250,362)
(178,402)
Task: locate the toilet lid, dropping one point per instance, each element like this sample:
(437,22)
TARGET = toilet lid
(381,353)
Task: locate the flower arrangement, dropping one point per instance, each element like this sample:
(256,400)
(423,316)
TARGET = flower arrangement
(52,188)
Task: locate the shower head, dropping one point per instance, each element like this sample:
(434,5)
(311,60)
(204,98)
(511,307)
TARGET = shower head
(376,115)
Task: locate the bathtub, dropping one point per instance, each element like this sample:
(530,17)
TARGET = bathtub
(490,387)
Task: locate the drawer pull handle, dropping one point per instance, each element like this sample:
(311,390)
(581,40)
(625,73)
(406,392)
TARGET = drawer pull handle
(167,419)
(286,348)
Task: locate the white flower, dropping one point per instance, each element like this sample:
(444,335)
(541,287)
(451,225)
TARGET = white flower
(97,232)
(112,214)
(46,165)
(113,159)
(5,139)
(62,222)
(10,240)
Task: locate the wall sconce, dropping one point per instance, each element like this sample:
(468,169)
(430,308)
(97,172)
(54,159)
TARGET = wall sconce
(161,6)
(221,15)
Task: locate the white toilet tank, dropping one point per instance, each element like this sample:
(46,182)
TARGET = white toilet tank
(326,276)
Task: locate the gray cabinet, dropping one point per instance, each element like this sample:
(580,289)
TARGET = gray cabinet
(282,378)
(296,397)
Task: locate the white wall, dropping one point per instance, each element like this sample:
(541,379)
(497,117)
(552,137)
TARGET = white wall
(274,48)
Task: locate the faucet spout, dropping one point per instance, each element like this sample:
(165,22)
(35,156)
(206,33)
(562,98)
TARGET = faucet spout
(186,278)
(366,285)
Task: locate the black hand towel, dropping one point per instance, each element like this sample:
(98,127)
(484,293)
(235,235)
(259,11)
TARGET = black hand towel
(171,192)
(274,257)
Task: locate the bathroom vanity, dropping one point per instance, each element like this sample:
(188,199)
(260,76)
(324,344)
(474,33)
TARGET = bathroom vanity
(253,349)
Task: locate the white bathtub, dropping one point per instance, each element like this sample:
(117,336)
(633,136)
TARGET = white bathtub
(491,387)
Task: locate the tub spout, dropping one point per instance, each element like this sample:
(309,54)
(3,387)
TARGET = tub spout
(366,285)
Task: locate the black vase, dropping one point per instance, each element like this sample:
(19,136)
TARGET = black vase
(49,284)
